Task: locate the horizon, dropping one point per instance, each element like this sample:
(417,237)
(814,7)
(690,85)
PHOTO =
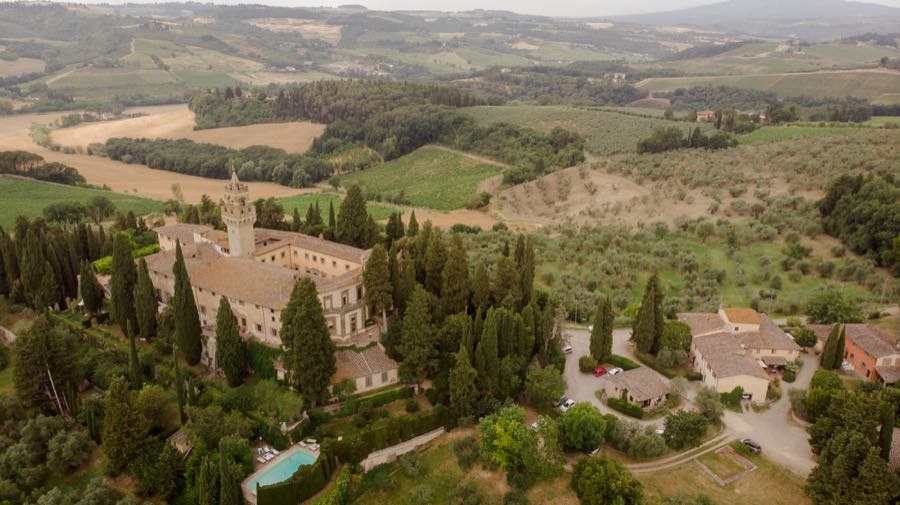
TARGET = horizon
(559,9)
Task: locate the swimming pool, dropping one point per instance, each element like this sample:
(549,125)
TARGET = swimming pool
(281,471)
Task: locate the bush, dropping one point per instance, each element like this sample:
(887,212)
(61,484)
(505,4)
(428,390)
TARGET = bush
(789,375)
(622,362)
(693,376)
(411,405)
(649,360)
(640,442)
(732,399)
(685,429)
(466,450)
(515,497)
(626,407)
(587,364)
(798,402)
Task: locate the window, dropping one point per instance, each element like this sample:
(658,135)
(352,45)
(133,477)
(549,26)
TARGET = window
(282,254)
(368,381)
(273,319)
(333,264)
(384,377)
(274,332)
(359,293)
(344,297)
(203,309)
(323,260)
(315,258)
(346,266)
(244,322)
(273,257)
(258,328)
(306,255)
(352,323)
(295,253)
(327,302)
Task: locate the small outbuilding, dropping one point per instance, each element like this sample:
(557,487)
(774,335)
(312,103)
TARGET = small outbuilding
(640,385)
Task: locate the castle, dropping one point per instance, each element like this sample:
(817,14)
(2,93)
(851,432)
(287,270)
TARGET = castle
(256,269)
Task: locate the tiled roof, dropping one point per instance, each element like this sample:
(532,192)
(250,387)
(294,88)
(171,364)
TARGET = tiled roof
(769,336)
(702,323)
(742,315)
(870,339)
(888,374)
(304,241)
(642,384)
(356,364)
(726,358)
(894,459)
(182,232)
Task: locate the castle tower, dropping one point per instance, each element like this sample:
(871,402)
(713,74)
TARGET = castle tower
(239,215)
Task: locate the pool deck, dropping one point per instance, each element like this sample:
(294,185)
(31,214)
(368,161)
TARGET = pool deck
(250,494)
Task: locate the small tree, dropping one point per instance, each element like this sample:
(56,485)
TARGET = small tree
(377,281)
(124,427)
(603,481)
(543,386)
(90,289)
(463,385)
(710,405)
(684,429)
(582,427)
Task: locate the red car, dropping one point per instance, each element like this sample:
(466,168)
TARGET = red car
(599,371)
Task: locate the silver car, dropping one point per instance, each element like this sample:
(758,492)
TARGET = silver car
(566,405)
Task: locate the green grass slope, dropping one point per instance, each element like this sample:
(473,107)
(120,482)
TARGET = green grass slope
(28,198)
(428,177)
(325,198)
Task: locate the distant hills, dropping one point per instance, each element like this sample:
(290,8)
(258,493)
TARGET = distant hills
(812,20)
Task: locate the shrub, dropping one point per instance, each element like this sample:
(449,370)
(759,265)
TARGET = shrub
(641,442)
(789,375)
(649,360)
(684,429)
(411,405)
(421,494)
(412,466)
(626,407)
(466,450)
(693,376)
(587,364)
(582,427)
(798,402)
(515,497)
(622,362)
(732,399)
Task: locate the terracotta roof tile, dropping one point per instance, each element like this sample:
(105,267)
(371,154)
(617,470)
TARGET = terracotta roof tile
(741,315)
(726,357)
(353,364)
(642,384)
(702,323)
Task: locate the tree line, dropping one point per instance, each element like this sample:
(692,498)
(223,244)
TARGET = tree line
(668,138)
(26,164)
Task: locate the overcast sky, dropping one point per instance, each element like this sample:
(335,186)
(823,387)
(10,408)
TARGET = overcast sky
(542,7)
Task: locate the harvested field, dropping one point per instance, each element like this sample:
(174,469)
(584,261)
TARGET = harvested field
(177,121)
(20,66)
(308,28)
(121,177)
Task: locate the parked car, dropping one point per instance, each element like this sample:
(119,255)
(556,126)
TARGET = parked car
(562,399)
(599,371)
(534,426)
(590,327)
(566,405)
(847,367)
(567,349)
(753,446)
(593,453)
(616,371)
(660,429)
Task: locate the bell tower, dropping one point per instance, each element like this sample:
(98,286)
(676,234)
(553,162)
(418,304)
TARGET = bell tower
(239,215)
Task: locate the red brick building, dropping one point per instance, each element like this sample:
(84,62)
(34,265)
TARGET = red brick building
(868,350)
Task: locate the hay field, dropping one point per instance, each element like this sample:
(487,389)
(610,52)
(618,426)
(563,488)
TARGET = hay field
(870,84)
(177,121)
(133,179)
(605,131)
(28,198)
(20,66)
(308,28)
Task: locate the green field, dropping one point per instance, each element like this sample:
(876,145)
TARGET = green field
(302,203)
(428,177)
(605,132)
(880,121)
(769,134)
(28,198)
(868,84)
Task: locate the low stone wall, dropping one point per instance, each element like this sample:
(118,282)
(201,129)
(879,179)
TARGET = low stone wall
(391,453)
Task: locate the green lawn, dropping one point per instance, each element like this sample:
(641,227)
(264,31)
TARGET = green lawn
(428,177)
(722,463)
(302,203)
(768,134)
(880,121)
(205,79)
(28,198)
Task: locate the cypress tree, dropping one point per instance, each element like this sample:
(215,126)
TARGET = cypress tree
(208,482)
(487,353)
(91,290)
(231,352)
(296,223)
(121,283)
(455,279)
(10,261)
(830,350)
(179,387)
(145,306)
(38,279)
(95,247)
(477,329)
(417,342)
(435,258)
(839,349)
(886,433)
(332,220)
(4,281)
(481,287)
(351,228)
(229,487)
(187,320)
(309,356)
(507,283)
(526,268)
(529,320)
(377,282)
(601,334)
(134,364)
(372,233)
(407,283)
(124,426)
(463,385)
(40,349)
(649,321)
(412,228)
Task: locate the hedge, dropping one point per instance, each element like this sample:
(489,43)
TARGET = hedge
(390,431)
(622,362)
(340,493)
(650,361)
(587,364)
(104,264)
(351,405)
(693,376)
(306,481)
(629,409)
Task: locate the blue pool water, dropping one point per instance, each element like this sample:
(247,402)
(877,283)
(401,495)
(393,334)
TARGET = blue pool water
(282,471)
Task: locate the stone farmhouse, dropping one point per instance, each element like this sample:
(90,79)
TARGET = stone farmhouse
(738,347)
(868,350)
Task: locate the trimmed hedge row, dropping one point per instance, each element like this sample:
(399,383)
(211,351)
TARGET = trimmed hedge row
(622,362)
(629,409)
(351,405)
(305,483)
(340,493)
(387,432)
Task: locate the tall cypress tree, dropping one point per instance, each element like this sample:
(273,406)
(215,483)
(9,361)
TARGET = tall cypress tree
(648,323)
(377,281)
(839,349)
(463,385)
(435,257)
(229,486)
(231,351)
(487,353)
(412,228)
(481,287)
(351,225)
(4,281)
(121,283)
(309,350)
(455,279)
(601,334)
(37,275)
(208,482)
(830,351)
(179,387)
(417,343)
(296,223)
(145,306)
(91,290)
(507,288)
(134,364)
(332,220)
(40,349)
(124,426)
(886,432)
(187,320)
